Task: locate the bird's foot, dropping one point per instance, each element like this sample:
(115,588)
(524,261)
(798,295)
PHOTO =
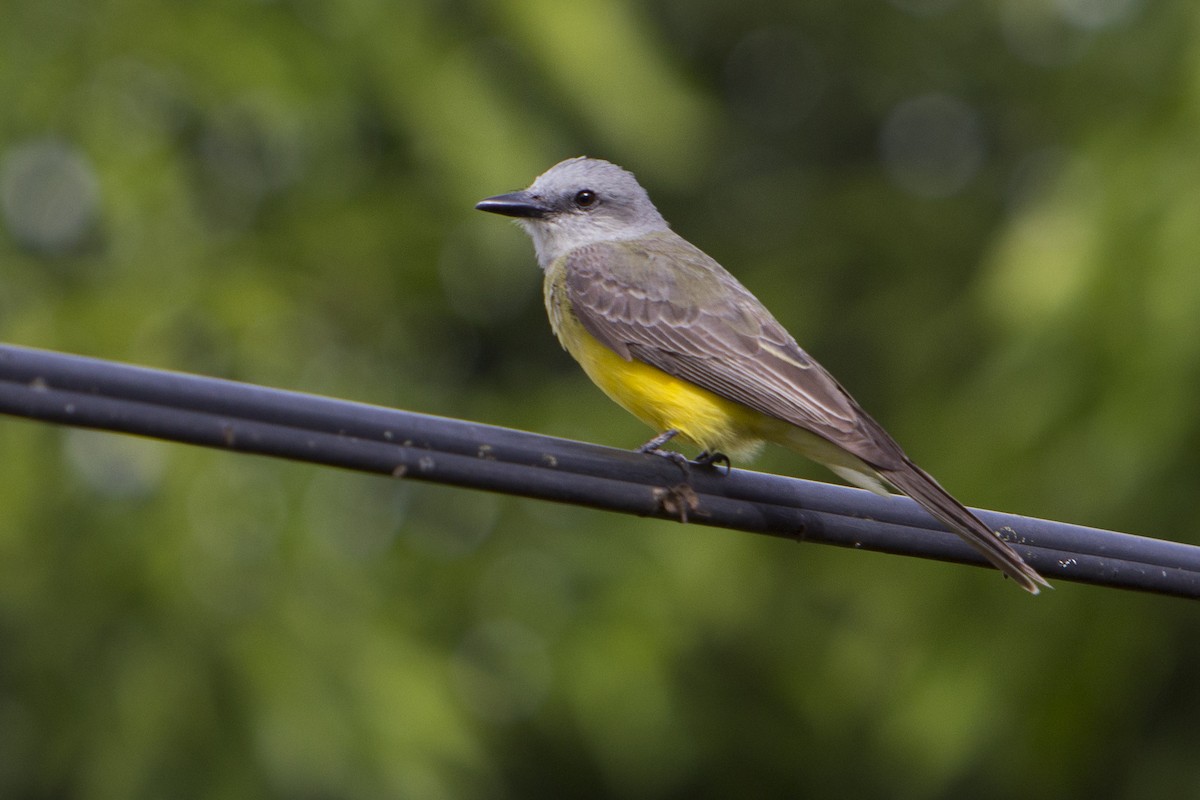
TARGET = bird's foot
(654,447)
(715,460)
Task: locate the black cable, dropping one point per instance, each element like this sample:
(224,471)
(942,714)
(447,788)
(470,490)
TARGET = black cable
(92,393)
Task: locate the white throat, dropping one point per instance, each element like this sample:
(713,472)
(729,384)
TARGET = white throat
(554,237)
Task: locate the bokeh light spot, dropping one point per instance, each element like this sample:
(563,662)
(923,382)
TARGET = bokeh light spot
(115,466)
(1095,14)
(49,196)
(932,145)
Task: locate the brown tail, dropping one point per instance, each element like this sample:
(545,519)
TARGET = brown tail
(920,486)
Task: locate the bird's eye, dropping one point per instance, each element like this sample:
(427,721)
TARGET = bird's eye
(585,198)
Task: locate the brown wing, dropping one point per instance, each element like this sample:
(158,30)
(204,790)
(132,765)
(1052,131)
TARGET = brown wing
(662,301)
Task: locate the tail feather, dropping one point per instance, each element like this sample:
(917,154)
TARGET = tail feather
(920,486)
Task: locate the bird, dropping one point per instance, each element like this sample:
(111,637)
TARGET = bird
(675,339)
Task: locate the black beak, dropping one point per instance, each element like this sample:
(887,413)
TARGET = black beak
(514,204)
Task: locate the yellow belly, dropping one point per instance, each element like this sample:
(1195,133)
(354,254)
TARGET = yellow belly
(662,401)
(665,402)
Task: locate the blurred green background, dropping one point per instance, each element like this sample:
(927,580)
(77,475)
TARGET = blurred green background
(983,217)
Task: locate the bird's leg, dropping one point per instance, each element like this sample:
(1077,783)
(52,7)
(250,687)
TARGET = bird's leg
(655,447)
(714,459)
(655,444)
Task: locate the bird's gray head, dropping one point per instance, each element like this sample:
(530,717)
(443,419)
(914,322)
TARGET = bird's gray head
(578,202)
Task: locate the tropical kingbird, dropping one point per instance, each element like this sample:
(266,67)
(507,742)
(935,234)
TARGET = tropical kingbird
(670,335)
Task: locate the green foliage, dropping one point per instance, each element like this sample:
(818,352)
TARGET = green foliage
(983,217)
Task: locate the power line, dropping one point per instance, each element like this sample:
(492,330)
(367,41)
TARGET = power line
(93,393)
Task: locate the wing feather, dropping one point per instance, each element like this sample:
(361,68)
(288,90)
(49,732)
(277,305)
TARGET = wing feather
(662,301)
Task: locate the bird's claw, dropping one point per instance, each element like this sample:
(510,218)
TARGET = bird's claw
(654,447)
(715,460)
